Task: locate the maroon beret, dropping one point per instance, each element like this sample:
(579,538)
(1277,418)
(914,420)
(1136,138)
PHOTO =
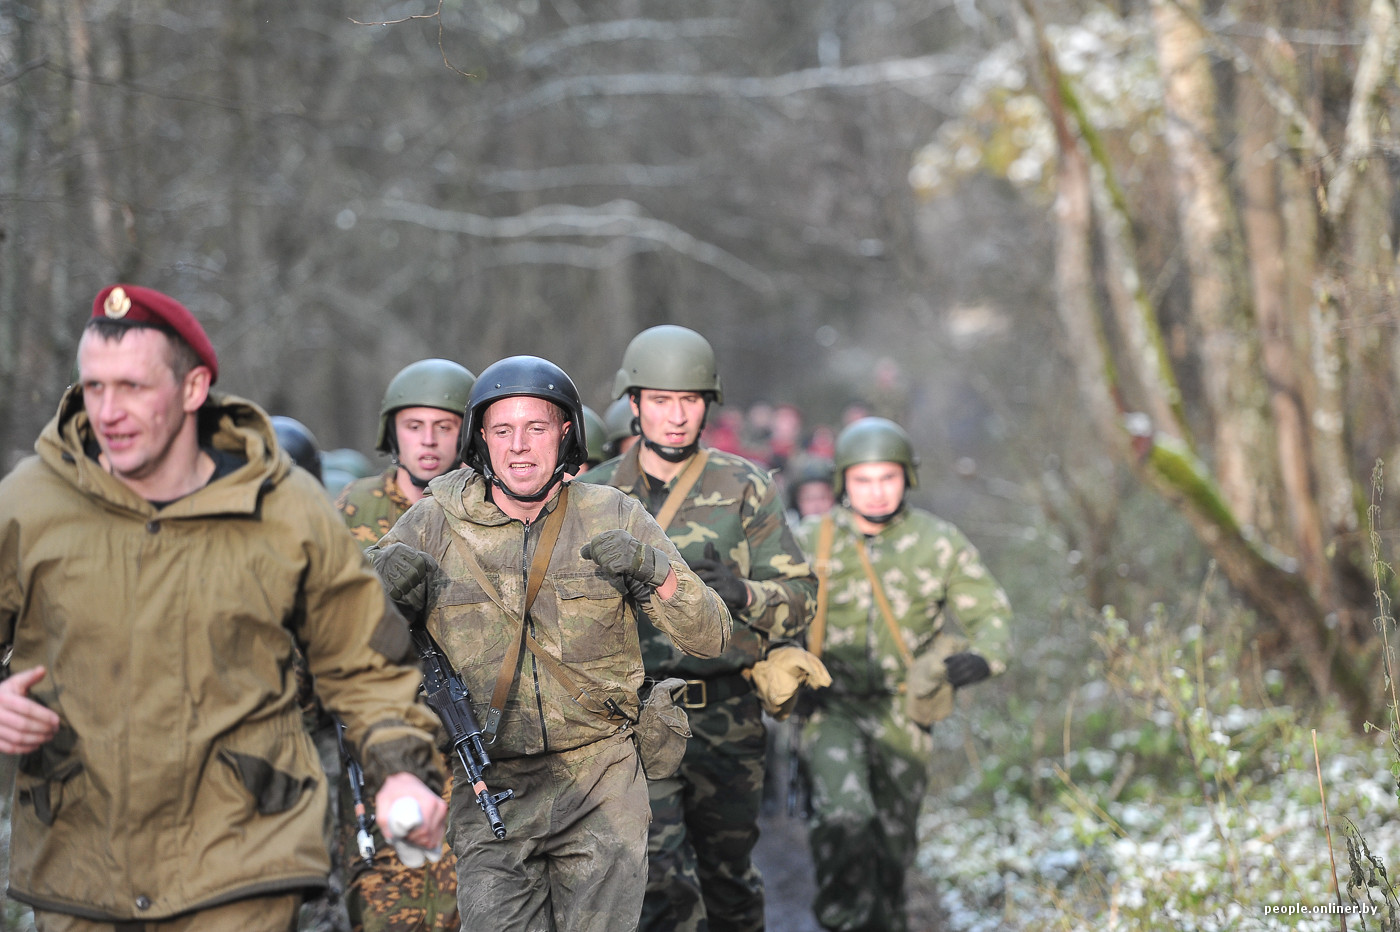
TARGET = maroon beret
(148,306)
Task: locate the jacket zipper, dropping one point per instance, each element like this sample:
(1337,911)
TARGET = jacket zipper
(530,627)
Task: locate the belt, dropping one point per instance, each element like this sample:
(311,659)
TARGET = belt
(700,693)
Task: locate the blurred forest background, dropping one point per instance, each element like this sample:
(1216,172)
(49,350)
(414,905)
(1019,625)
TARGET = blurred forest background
(1126,271)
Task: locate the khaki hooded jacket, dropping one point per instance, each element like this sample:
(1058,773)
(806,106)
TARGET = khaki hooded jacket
(181,776)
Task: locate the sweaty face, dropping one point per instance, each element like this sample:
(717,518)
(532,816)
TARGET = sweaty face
(671,419)
(427,440)
(875,489)
(523,437)
(136,407)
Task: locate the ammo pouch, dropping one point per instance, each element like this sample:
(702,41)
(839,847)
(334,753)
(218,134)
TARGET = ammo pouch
(661,730)
(928,695)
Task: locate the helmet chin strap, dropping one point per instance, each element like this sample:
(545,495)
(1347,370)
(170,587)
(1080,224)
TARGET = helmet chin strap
(417,482)
(673,454)
(885,518)
(490,476)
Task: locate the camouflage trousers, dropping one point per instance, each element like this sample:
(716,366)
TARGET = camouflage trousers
(704,825)
(868,767)
(574,855)
(256,914)
(386,896)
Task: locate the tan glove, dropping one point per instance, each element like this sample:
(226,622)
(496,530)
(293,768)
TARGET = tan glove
(929,695)
(778,677)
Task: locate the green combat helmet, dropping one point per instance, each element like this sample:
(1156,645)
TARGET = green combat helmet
(874,440)
(595,433)
(669,358)
(342,466)
(618,422)
(427,383)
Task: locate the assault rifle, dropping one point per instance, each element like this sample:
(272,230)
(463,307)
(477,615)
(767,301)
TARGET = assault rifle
(363,839)
(447,695)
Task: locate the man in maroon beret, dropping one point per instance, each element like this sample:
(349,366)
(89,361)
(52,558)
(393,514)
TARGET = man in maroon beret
(160,562)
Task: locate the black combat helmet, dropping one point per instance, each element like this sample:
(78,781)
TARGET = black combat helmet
(296,438)
(537,378)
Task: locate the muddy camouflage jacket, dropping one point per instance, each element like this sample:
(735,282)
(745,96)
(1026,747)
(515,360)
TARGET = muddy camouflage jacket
(734,506)
(371,506)
(181,776)
(932,576)
(583,617)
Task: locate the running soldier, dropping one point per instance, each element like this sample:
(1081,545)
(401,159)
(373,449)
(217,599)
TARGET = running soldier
(724,515)
(901,592)
(535,595)
(420,421)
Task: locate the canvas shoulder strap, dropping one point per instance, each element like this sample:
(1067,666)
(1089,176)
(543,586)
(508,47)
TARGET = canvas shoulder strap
(884,603)
(816,631)
(684,483)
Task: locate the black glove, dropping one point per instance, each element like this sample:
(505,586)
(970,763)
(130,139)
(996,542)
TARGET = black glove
(966,668)
(623,555)
(406,574)
(719,577)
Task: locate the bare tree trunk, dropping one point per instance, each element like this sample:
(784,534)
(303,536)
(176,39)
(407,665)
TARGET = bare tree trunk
(1219,300)
(1263,221)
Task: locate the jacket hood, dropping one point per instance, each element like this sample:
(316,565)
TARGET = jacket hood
(462,494)
(226,422)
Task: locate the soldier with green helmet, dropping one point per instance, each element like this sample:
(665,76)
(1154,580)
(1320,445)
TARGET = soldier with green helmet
(535,595)
(724,514)
(595,432)
(910,615)
(420,421)
(620,427)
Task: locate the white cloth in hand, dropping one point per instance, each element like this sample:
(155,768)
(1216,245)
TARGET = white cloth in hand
(404,817)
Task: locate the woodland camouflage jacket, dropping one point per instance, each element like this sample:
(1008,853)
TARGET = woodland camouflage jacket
(735,507)
(932,576)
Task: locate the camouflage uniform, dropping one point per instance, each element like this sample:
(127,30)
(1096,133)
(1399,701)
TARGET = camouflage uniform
(387,896)
(574,853)
(867,762)
(371,505)
(705,819)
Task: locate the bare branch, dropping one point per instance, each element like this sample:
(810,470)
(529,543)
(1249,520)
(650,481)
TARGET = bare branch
(10,77)
(442,49)
(567,176)
(618,30)
(619,218)
(1377,62)
(894,71)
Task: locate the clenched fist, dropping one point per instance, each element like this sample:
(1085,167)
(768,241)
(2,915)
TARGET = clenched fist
(621,554)
(406,574)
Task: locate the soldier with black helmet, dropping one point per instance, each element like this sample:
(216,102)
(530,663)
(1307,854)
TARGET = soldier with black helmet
(420,421)
(867,745)
(724,514)
(296,438)
(534,585)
